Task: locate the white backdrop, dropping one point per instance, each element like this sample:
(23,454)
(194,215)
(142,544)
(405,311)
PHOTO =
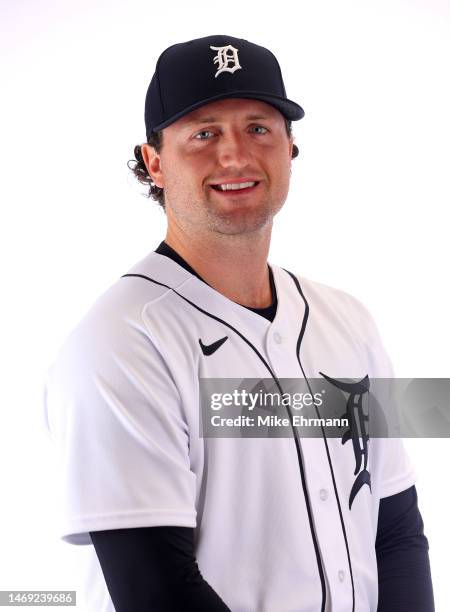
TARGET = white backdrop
(367,210)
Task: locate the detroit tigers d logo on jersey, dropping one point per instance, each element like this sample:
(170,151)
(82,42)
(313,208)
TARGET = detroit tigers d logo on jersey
(227,59)
(357,431)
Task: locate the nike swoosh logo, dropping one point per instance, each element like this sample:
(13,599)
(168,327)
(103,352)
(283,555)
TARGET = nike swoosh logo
(209,349)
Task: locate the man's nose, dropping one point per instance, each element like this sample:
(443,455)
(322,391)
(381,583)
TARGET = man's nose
(233,149)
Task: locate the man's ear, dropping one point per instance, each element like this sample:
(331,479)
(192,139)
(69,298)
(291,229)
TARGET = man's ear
(152,162)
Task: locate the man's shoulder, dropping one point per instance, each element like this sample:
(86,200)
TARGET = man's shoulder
(114,319)
(338,314)
(319,295)
(145,282)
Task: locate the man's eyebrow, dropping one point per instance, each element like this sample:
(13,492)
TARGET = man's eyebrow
(212,119)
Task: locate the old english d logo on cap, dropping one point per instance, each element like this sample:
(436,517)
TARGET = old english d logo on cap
(226,55)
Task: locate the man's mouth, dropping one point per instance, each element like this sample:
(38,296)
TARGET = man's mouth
(236,188)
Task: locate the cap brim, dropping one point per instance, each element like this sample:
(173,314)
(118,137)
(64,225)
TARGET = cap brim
(289,109)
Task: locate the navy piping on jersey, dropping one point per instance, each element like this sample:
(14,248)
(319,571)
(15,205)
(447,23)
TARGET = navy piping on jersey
(299,341)
(267,312)
(295,432)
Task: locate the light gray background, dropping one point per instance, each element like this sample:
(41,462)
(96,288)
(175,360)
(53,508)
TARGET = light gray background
(367,210)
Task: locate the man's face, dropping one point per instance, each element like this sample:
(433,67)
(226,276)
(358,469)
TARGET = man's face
(229,141)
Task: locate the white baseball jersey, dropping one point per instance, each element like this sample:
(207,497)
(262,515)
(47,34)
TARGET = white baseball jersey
(274,528)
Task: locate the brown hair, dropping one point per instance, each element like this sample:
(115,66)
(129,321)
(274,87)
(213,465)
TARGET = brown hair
(155,140)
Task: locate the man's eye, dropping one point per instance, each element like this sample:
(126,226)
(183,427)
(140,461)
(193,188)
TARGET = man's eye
(261,127)
(202,132)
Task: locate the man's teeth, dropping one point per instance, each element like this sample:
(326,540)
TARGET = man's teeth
(228,186)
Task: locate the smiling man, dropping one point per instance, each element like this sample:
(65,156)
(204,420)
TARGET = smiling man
(179,521)
(234,162)
(225,174)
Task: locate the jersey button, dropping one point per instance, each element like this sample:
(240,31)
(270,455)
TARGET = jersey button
(323,494)
(277,338)
(341,575)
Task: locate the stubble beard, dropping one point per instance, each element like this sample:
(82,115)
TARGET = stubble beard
(208,216)
(240,219)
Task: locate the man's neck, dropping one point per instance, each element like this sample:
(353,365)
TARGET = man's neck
(235,266)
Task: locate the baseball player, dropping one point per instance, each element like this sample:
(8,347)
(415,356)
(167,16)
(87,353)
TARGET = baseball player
(180,521)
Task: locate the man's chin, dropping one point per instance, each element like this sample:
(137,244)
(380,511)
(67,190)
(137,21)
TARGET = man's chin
(241,221)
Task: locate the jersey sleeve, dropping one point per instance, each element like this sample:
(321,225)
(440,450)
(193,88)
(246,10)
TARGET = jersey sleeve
(395,471)
(116,417)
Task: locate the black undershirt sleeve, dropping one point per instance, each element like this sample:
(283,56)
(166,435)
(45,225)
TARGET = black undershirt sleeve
(154,569)
(404,575)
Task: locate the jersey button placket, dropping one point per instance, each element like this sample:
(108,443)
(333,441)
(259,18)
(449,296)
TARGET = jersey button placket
(323,494)
(276,352)
(277,337)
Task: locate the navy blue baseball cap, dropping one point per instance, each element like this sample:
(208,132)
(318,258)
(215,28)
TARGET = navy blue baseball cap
(193,73)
